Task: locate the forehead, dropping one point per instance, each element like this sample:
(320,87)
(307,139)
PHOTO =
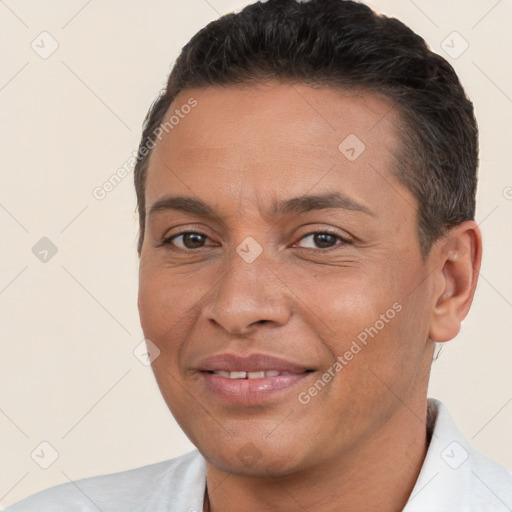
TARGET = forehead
(276,137)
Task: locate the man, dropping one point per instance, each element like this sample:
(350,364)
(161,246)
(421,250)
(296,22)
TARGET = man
(306,190)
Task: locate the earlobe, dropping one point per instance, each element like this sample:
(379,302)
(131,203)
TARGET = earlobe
(459,258)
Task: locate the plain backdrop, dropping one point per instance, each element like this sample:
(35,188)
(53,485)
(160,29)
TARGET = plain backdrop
(68,281)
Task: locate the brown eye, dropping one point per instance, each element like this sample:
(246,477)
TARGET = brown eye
(324,240)
(189,240)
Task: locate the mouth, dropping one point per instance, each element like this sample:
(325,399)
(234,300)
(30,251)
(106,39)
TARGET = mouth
(250,380)
(239,374)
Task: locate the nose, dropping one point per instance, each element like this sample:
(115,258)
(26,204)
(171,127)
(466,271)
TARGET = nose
(247,295)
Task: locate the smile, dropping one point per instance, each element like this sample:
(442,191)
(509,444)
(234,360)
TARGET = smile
(249,375)
(250,379)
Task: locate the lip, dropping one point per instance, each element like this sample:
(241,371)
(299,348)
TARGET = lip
(250,363)
(250,391)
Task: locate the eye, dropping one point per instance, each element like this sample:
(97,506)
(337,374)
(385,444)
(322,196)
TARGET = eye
(324,240)
(188,240)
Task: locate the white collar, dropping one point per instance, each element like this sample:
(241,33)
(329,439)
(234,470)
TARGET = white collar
(454,476)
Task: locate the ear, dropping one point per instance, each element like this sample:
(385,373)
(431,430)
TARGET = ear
(458,256)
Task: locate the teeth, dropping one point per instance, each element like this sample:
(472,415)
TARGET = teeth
(255,375)
(237,375)
(248,375)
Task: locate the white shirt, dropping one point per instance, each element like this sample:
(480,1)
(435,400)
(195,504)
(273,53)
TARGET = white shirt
(454,478)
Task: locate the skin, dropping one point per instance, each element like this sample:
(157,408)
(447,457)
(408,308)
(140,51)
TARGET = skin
(359,443)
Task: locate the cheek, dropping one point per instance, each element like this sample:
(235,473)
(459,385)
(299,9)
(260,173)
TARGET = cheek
(152,302)
(168,308)
(163,300)
(342,304)
(365,321)
(159,312)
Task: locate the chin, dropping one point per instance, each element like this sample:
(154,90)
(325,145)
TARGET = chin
(251,462)
(256,457)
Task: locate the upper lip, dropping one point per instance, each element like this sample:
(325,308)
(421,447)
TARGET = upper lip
(250,363)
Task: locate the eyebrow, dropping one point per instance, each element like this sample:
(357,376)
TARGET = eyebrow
(294,205)
(306,203)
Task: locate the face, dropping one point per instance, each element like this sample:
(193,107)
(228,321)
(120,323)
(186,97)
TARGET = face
(281,275)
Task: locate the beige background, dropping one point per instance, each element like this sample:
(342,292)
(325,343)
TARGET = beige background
(70,325)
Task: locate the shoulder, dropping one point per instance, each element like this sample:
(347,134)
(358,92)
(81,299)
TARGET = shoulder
(174,484)
(491,482)
(455,476)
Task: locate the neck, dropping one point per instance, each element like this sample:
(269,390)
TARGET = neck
(379,475)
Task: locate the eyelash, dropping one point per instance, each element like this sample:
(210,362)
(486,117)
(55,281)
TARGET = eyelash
(344,241)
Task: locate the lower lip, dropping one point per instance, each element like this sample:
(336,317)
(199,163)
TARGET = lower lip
(251,391)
